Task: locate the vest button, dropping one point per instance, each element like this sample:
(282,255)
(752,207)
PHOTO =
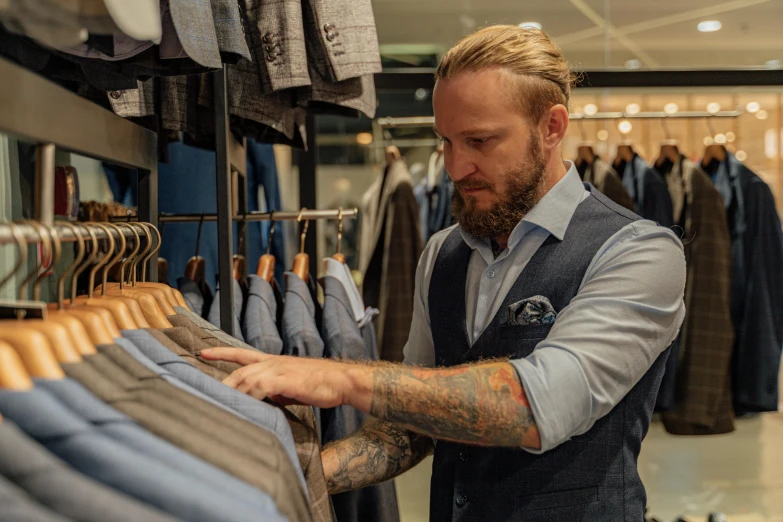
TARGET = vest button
(464,456)
(461,500)
(491,274)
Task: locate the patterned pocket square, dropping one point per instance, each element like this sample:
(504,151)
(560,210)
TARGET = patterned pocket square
(531,311)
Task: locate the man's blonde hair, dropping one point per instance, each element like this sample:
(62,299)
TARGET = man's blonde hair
(544,78)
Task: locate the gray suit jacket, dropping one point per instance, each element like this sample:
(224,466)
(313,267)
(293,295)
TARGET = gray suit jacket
(239,301)
(246,451)
(211,329)
(259,327)
(195,28)
(258,412)
(343,340)
(59,487)
(300,333)
(17,506)
(66,435)
(238,499)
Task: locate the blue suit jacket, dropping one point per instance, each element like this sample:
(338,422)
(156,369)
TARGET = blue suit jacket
(260,413)
(62,489)
(79,444)
(230,493)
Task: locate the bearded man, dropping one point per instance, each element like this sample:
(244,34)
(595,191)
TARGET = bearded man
(542,321)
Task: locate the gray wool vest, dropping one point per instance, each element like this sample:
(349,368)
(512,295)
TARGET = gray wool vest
(592,477)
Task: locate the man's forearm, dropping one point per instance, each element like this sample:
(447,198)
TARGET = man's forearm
(378,452)
(482,404)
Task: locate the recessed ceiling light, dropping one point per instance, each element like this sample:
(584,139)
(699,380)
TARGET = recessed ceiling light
(632,108)
(709,26)
(633,64)
(753,107)
(741,155)
(671,108)
(420,94)
(364,138)
(603,134)
(624,126)
(713,107)
(730,137)
(762,114)
(708,141)
(590,109)
(530,25)
(720,139)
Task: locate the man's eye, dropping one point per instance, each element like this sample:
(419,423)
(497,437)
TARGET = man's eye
(477,141)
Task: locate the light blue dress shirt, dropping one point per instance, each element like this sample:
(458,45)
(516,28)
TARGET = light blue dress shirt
(627,311)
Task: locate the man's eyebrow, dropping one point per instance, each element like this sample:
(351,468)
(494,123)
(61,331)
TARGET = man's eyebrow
(468,132)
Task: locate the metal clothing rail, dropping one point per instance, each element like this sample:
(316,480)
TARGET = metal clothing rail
(428,121)
(39,111)
(306,215)
(64,233)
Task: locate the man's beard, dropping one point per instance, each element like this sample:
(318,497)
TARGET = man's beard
(524,187)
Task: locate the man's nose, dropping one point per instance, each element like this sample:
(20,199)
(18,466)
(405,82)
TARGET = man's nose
(458,164)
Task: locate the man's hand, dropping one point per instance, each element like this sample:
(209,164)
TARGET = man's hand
(289,380)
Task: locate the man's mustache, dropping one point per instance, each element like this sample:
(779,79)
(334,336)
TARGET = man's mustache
(473,184)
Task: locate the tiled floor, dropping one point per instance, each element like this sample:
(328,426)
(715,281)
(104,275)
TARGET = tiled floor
(740,474)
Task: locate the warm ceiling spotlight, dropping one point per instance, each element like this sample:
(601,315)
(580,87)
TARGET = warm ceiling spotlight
(364,138)
(709,26)
(671,108)
(603,134)
(632,108)
(753,107)
(591,109)
(713,108)
(624,126)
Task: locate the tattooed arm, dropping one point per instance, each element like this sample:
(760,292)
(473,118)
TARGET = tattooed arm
(482,403)
(379,451)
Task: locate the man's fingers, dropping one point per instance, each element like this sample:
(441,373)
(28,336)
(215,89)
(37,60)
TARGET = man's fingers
(238,355)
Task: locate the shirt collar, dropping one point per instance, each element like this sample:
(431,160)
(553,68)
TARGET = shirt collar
(553,213)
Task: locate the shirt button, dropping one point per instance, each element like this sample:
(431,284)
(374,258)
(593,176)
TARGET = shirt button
(491,274)
(461,500)
(464,456)
(115,94)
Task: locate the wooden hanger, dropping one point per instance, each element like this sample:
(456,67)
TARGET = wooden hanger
(59,337)
(266,263)
(149,304)
(119,310)
(339,255)
(179,299)
(715,151)
(13,375)
(196,268)
(584,154)
(301,260)
(238,261)
(625,153)
(149,250)
(392,154)
(35,351)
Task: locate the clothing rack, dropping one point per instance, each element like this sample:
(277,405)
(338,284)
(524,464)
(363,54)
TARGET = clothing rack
(39,111)
(305,215)
(64,233)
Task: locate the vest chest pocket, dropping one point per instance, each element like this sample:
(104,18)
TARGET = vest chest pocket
(520,341)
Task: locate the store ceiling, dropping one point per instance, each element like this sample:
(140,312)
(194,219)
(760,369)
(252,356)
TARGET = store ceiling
(597,34)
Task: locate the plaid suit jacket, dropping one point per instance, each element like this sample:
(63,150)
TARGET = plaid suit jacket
(390,247)
(703,390)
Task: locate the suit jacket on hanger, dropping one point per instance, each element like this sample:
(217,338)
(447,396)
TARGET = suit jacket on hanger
(607,181)
(211,329)
(61,488)
(756,285)
(18,506)
(82,446)
(703,389)
(390,247)
(239,305)
(246,451)
(239,499)
(260,327)
(343,340)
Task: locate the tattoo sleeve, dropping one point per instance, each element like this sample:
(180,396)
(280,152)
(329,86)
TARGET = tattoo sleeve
(378,452)
(482,404)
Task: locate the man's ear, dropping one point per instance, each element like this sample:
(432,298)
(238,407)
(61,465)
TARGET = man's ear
(554,125)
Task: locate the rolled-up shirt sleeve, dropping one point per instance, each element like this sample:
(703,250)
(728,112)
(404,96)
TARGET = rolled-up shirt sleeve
(628,310)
